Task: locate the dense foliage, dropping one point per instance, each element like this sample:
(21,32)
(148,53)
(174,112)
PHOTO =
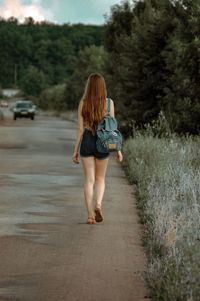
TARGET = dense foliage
(44,49)
(154,58)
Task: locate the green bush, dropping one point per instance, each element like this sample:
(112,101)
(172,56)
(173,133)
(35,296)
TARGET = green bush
(53,98)
(166,171)
(33,82)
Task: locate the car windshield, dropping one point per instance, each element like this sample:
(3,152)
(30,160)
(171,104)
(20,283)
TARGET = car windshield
(26,105)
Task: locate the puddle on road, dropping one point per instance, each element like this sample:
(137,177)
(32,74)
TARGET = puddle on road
(8,293)
(42,179)
(30,199)
(12,146)
(15,223)
(17,288)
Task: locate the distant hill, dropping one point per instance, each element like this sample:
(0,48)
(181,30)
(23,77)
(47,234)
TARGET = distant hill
(51,48)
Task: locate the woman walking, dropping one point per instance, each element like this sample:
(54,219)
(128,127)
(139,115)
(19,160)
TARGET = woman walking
(92,108)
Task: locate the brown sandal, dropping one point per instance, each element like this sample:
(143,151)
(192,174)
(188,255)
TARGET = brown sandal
(91,220)
(98,215)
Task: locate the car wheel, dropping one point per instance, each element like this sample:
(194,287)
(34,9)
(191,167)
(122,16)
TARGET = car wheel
(14,117)
(32,117)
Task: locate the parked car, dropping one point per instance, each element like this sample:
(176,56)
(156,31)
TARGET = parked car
(24,108)
(3,104)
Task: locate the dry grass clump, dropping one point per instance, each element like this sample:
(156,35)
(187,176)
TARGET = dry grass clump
(167,173)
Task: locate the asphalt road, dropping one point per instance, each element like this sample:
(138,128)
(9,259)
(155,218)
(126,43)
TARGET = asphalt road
(47,251)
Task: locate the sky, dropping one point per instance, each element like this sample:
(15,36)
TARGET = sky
(58,11)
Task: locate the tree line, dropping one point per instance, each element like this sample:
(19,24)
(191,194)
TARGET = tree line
(148,51)
(42,51)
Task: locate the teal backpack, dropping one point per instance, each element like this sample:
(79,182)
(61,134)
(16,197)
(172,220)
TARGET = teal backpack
(109,138)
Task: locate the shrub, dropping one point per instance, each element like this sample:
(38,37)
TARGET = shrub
(53,98)
(33,82)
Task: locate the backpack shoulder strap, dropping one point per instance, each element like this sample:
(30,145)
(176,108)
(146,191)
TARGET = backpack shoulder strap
(108,105)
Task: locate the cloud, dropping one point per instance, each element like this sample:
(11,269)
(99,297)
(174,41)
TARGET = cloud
(15,8)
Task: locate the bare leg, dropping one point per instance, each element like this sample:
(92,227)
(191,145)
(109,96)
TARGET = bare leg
(100,173)
(89,172)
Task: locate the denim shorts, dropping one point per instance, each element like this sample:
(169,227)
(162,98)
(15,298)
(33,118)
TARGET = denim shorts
(88,146)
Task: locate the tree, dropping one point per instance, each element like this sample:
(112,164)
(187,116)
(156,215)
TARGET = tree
(135,60)
(90,59)
(182,59)
(13,51)
(53,98)
(147,43)
(33,82)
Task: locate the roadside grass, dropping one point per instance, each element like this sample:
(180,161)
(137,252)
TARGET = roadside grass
(166,171)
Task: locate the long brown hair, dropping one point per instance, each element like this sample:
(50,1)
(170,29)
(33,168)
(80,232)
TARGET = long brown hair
(94,100)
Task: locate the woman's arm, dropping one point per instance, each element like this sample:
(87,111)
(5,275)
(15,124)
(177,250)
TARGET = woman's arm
(79,133)
(118,156)
(112,108)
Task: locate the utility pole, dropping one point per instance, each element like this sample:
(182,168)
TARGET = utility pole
(15,75)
